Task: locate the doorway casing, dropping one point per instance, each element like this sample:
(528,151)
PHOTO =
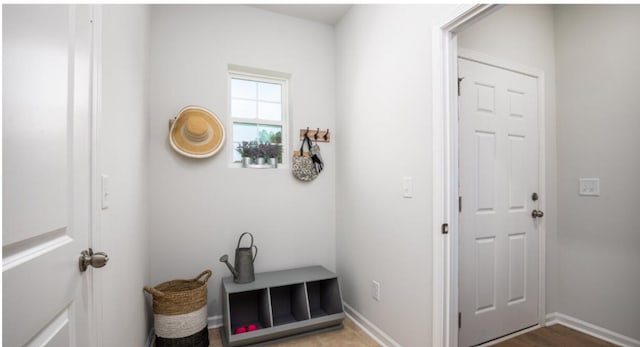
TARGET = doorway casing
(445,169)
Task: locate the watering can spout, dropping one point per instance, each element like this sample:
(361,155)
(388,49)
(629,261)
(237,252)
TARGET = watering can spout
(225,259)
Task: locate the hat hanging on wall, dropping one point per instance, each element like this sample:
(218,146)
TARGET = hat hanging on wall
(196,132)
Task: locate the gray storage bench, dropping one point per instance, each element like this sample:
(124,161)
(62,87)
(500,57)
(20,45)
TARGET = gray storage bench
(282,304)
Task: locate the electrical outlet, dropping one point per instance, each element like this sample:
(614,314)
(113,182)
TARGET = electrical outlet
(589,187)
(375,290)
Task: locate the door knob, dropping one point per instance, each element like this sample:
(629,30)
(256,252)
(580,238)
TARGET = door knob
(537,214)
(87,257)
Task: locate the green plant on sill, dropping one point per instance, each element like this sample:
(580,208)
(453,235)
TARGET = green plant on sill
(244,148)
(273,150)
(255,149)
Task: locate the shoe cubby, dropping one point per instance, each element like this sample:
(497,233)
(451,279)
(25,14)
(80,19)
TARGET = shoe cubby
(324,298)
(281,304)
(250,307)
(288,304)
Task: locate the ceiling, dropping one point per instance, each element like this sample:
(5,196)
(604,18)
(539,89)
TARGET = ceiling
(322,13)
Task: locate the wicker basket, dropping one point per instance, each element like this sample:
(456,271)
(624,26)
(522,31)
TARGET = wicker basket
(180,312)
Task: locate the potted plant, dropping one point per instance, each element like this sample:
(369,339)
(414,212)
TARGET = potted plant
(257,153)
(273,151)
(244,148)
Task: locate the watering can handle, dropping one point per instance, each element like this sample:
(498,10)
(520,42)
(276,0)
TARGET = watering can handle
(255,254)
(241,236)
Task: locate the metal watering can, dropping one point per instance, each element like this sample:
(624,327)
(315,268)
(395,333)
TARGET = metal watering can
(243,269)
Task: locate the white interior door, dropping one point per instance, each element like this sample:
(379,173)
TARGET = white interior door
(498,175)
(46,174)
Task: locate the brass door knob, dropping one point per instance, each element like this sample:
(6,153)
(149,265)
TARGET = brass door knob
(537,214)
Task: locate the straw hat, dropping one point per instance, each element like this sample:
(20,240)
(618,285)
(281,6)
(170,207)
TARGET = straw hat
(196,133)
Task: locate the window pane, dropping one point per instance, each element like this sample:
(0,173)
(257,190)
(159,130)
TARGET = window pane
(253,102)
(243,89)
(269,111)
(243,108)
(269,92)
(243,132)
(270,133)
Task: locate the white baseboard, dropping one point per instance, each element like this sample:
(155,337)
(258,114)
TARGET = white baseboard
(151,339)
(214,321)
(591,329)
(378,335)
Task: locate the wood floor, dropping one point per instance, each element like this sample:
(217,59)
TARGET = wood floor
(352,336)
(554,336)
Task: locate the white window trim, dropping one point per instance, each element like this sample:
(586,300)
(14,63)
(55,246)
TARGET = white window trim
(259,75)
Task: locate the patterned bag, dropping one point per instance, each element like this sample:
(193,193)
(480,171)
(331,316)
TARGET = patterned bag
(303,168)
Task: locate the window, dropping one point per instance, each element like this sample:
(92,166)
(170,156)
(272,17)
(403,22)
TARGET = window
(259,109)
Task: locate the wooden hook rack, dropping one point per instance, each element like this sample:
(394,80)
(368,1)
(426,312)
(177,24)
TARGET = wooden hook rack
(322,135)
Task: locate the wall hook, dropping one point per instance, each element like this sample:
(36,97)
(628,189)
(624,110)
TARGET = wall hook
(315,135)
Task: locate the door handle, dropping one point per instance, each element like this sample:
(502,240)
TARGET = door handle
(87,257)
(537,214)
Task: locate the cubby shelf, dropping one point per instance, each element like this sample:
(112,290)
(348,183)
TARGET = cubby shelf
(281,304)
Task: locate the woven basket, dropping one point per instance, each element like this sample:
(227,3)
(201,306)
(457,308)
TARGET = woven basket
(199,339)
(180,311)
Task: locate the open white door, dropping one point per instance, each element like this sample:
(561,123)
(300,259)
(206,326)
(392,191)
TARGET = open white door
(46,127)
(499,236)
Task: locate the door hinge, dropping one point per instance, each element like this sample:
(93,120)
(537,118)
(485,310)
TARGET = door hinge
(459,204)
(459,81)
(459,320)
(445,228)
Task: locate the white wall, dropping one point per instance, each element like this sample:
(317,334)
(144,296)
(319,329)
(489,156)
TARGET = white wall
(383,84)
(199,208)
(598,51)
(123,153)
(524,34)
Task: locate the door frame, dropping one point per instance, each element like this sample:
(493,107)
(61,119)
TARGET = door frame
(95,239)
(445,169)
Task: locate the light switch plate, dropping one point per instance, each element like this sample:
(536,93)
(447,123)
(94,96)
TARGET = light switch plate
(407,187)
(375,287)
(105,191)
(589,187)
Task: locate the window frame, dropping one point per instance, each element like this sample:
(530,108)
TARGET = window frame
(260,77)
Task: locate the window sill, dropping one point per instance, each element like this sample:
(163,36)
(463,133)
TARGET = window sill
(259,167)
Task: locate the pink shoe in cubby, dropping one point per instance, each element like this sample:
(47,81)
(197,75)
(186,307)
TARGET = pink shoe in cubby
(252,327)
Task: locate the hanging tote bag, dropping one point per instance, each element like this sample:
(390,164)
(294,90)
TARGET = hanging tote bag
(180,312)
(303,168)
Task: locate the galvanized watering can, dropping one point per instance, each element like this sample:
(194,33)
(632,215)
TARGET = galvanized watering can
(243,269)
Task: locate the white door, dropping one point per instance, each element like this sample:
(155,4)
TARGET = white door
(498,176)
(46,174)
